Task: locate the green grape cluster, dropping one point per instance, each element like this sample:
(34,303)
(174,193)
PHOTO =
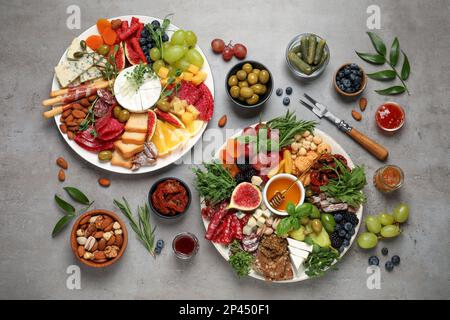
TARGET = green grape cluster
(384,225)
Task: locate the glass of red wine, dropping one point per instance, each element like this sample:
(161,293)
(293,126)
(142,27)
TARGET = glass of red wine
(185,245)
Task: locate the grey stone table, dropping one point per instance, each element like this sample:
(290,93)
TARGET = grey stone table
(34,35)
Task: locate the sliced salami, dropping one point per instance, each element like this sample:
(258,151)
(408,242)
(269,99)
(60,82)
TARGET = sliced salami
(109,128)
(205,104)
(106,96)
(88,141)
(189,92)
(101,108)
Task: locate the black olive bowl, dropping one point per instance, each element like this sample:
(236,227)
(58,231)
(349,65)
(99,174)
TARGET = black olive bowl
(165,216)
(262,98)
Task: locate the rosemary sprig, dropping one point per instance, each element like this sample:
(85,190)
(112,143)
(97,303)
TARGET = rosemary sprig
(165,92)
(89,119)
(143,228)
(288,126)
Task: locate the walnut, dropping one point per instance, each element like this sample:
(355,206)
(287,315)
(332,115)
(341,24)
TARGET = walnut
(111,251)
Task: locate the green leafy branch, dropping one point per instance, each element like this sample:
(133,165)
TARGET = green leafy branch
(69,209)
(380,58)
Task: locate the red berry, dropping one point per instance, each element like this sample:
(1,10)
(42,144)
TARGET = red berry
(240,51)
(217,45)
(227,53)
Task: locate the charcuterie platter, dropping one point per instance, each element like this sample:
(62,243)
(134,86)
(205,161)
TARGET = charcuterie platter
(132,94)
(306,232)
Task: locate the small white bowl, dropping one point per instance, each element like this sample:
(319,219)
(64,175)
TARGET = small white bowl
(278,176)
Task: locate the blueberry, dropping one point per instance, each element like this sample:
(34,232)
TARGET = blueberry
(158,250)
(338,82)
(352,77)
(341,248)
(348,236)
(389,266)
(341,74)
(374,261)
(346,71)
(338,217)
(160,243)
(352,232)
(289,90)
(384,251)
(155,24)
(351,90)
(286,101)
(342,233)
(357,79)
(338,228)
(348,226)
(395,260)
(342,87)
(165,37)
(345,243)
(354,66)
(279,92)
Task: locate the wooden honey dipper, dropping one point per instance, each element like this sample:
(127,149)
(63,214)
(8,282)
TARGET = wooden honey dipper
(278,197)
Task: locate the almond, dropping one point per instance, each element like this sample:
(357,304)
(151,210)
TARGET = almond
(69,118)
(99,255)
(85,220)
(85,102)
(85,110)
(70,135)
(119,240)
(63,128)
(223,121)
(66,113)
(356,115)
(73,128)
(98,235)
(362,104)
(61,175)
(109,227)
(62,163)
(77,106)
(71,123)
(81,251)
(92,98)
(105,223)
(111,241)
(101,244)
(104,182)
(78,114)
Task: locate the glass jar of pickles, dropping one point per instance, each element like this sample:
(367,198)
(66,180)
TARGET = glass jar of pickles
(388,178)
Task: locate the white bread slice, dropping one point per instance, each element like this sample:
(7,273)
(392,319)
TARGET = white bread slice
(118,160)
(128,150)
(137,123)
(133,137)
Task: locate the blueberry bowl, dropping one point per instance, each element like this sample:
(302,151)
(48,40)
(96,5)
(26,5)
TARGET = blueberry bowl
(350,80)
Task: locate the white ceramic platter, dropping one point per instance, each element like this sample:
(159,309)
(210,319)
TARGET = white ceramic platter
(163,161)
(299,275)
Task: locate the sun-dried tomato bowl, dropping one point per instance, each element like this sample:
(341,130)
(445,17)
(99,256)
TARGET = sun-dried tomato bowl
(158,212)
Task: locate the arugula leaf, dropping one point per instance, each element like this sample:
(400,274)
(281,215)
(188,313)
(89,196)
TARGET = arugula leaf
(67,207)
(77,195)
(378,44)
(320,260)
(62,223)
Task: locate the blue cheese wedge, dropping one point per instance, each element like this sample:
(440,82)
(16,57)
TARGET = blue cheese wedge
(75,47)
(298,252)
(90,74)
(299,245)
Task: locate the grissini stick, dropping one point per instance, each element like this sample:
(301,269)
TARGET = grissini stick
(70,97)
(100,84)
(57,110)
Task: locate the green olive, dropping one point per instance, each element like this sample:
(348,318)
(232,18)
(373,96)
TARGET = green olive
(258,88)
(241,75)
(232,81)
(252,78)
(116,111)
(316,225)
(246,92)
(234,91)
(247,67)
(124,115)
(105,155)
(264,76)
(242,84)
(242,99)
(253,99)
(256,71)
(103,50)
(163,105)
(264,89)
(304,221)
